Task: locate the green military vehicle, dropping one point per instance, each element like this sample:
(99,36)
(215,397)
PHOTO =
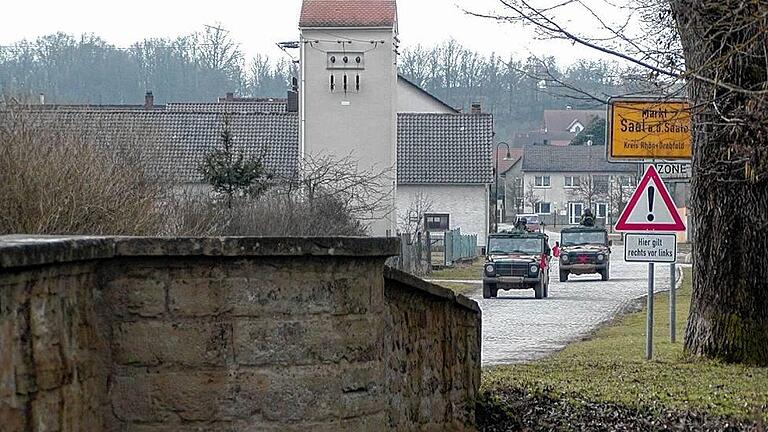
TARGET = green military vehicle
(584,250)
(517,259)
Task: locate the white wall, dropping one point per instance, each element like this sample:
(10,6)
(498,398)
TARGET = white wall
(467,205)
(557,193)
(411,99)
(341,123)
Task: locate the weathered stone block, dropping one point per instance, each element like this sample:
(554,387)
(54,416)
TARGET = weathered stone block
(318,340)
(198,297)
(130,398)
(143,297)
(47,326)
(214,395)
(371,423)
(316,393)
(13,418)
(46,411)
(189,343)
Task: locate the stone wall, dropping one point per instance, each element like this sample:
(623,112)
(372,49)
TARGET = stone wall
(432,350)
(137,334)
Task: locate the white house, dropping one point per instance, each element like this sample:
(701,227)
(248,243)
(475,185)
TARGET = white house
(560,182)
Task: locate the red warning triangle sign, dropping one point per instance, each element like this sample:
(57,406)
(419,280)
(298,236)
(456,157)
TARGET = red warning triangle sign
(650,208)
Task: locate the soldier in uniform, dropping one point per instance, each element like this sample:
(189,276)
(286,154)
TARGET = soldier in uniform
(587,218)
(521,225)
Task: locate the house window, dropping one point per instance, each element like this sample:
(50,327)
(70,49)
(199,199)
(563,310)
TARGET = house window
(574,213)
(541,181)
(625,181)
(601,184)
(601,210)
(437,222)
(578,127)
(543,208)
(572,181)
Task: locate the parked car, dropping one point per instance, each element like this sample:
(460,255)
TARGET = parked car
(517,260)
(532,221)
(584,250)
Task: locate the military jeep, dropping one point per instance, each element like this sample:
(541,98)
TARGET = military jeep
(517,260)
(584,250)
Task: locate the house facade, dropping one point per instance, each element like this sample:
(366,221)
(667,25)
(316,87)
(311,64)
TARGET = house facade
(561,182)
(444,172)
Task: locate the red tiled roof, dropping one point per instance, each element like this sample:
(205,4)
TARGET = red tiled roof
(561,120)
(348,13)
(505,164)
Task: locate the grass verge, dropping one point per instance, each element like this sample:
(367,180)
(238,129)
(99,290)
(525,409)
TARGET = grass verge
(610,368)
(459,288)
(463,271)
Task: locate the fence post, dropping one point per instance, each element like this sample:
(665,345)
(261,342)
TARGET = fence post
(419,256)
(447,247)
(429,252)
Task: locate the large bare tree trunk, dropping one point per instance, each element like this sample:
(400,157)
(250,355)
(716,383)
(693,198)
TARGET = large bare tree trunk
(725,41)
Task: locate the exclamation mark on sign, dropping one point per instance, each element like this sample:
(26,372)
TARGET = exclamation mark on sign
(651,191)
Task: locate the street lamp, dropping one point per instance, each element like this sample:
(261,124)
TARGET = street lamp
(496,194)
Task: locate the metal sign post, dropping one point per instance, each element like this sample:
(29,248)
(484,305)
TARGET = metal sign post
(650,209)
(649,317)
(658,131)
(672,304)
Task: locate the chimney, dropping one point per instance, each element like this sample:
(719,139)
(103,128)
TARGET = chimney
(230,97)
(149,100)
(476,109)
(293,96)
(293,101)
(42,98)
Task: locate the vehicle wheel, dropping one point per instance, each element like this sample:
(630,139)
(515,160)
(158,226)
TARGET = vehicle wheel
(486,291)
(546,290)
(539,290)
(494,292)
(605,273)
(563,275)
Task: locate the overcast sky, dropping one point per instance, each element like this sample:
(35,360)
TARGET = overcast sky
(258,24)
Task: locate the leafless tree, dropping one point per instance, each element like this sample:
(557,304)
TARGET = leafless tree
(588,190)
(714,52)
(530,197)
(621,189)
(60,179)
(411,221)
(366,193)
(216,50)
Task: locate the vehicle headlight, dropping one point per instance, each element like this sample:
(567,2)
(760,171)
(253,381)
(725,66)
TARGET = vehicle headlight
(490,269)
(564,257)
(534,268)
(600,257)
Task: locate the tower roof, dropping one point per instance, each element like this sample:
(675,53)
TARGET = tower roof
(348,13)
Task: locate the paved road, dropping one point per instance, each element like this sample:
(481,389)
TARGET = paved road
(518,328)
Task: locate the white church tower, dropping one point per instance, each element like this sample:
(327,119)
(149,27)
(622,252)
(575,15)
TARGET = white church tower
(348,88)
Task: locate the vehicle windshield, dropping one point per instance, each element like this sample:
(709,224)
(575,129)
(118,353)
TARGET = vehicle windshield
(582,238)
(507,245)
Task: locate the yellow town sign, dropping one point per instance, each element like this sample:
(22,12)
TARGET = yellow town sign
(643,129)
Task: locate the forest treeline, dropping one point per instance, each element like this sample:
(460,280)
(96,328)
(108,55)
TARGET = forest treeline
(207,64)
